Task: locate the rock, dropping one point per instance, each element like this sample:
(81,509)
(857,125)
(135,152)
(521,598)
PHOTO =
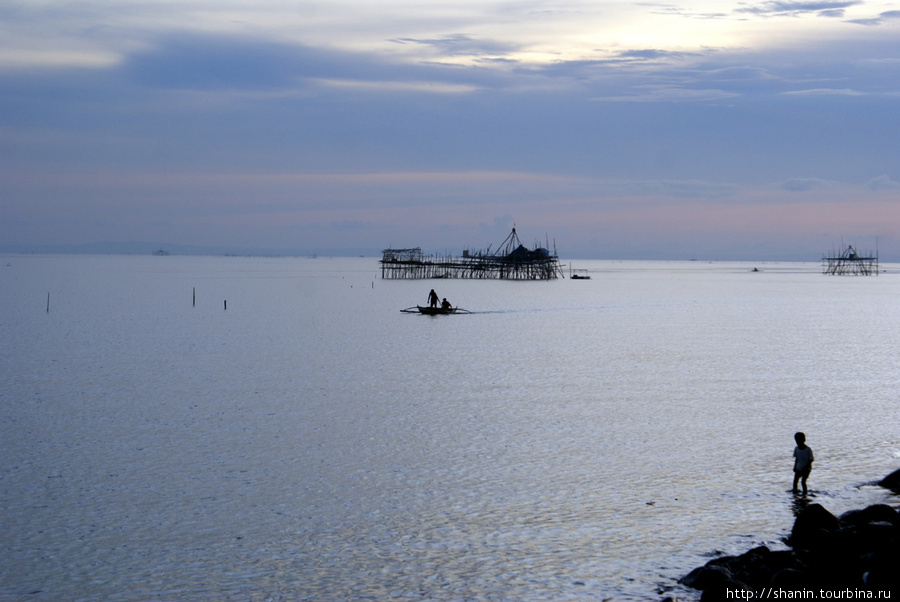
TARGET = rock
(875,513)
(881,571)
(727,590)
(813,527)
(892,481)
(755,567)
(861,550)
(707,576)
(789,579)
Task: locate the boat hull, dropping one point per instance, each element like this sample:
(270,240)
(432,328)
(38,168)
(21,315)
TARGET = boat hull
(435,311)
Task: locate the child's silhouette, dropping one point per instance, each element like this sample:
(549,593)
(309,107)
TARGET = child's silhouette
(803,459)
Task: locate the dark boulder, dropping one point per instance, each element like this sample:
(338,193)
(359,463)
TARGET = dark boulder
(880,571)
(874,513)
(756,567)
(789,579)
(813,527)
(861,550)
(892,481)
(727,590)
(706,577)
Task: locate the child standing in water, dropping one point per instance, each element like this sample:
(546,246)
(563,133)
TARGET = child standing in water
(803,459)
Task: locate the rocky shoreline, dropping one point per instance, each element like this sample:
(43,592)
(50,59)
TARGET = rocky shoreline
(854,556)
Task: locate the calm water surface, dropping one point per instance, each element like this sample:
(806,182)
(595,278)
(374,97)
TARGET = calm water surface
(566,440)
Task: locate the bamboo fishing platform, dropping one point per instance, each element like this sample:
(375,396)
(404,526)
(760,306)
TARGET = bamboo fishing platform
(511,261)
(850,263)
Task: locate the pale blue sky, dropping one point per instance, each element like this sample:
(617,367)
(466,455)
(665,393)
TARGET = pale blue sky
(713,130)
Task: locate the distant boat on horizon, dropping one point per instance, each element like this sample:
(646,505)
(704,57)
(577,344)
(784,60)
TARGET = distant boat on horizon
(579,274)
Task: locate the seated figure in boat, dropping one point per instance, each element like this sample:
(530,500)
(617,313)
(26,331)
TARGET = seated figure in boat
(445,304)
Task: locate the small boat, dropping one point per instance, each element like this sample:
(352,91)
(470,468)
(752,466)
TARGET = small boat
(435,311)
(579,274)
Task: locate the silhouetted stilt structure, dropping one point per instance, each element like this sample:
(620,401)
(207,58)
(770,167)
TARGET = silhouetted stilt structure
(851,263)
(512,261)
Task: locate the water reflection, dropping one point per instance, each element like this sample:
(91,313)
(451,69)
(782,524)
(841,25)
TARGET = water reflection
(800,503)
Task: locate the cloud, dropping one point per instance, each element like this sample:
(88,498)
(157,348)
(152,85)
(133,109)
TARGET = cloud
(879,20)
(251,69)
(793,9)
(432,87)
(668,94)
(883,183)
(210,62)
(735,73)
(681,11)
(652,54)
(58,59)
(458,44)
(823,92)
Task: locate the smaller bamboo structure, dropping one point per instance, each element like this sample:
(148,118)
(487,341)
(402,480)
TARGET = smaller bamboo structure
(850,263)
(512,261)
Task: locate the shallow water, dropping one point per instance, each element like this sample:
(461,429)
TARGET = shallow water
(568,439)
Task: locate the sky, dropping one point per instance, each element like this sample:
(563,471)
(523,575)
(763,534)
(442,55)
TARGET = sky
(719,130)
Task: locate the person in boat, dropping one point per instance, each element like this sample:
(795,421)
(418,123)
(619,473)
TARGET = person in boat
(433,298)
(446,304)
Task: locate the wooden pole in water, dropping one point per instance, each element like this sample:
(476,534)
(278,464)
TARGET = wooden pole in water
(226,304)
(194,304)
(48,303)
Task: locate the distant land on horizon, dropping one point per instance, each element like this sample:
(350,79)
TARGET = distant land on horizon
(151,248)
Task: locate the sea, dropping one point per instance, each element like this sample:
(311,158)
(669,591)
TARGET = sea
(264,428)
